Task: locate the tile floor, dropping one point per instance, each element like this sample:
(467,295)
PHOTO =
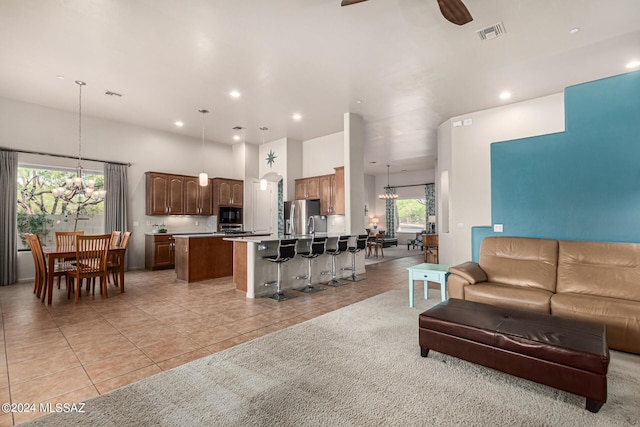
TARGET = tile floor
(66,353)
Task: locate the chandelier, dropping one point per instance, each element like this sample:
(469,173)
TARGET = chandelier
(203,178)
(78,185)
(389,193)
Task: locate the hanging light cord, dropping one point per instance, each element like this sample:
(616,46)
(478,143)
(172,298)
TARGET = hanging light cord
(80,83)
(203,111)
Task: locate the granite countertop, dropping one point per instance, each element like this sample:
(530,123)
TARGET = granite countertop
(276,237)
(177,233)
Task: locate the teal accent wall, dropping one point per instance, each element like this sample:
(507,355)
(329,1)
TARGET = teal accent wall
(581,184)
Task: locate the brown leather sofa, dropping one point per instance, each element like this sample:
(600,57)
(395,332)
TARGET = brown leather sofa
(594,281)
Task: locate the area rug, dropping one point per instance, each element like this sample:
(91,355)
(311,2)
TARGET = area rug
(357,366)
(393,253)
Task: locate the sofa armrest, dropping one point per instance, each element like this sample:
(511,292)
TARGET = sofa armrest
(469,271)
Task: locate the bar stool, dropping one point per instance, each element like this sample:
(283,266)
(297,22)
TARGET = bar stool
(286,251)
(317,247)
(361,244)
(341,247)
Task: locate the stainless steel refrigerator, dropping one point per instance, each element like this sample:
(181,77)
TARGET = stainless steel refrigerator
(303,217)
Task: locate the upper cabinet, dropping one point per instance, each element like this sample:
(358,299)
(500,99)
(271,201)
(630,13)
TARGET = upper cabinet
(308,188)
(168,194)
(197,199)
(165,194)
(227,192)
(332,193)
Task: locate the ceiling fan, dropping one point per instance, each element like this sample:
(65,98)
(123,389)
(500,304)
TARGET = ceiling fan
(453,10)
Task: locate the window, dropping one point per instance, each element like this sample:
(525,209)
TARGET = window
(41,213)
(411,215)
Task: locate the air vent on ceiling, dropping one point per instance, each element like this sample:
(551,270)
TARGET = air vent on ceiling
(491,32)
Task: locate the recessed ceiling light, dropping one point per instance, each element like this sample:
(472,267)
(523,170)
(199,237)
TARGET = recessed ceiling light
(60,77)
(633,64)
(505,95)
(297,117)
(179,124)
(236,137)
(359,101)
(234,94)
(574,30)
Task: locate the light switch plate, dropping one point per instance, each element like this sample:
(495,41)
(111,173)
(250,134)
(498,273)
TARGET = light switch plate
(497,228)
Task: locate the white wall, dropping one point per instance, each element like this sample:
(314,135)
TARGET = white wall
(465,152)
(321,155)
(32,127)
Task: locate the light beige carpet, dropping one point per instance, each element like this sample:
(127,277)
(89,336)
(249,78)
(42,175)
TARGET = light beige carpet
(357,366)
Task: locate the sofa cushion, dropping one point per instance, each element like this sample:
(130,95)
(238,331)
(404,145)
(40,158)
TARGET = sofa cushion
(622,317)
(509,296)
(599,268)
(520,261)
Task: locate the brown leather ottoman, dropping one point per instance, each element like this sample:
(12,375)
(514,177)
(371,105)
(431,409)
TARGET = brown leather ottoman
(567,354)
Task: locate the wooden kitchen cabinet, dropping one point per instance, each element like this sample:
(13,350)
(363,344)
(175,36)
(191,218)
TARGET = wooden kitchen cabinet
(308,188)
(227,192)
(197,199)
(159,251)
(332,193)
(164,194)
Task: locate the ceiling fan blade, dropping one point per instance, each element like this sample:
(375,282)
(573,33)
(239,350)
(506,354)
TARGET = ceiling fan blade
(455,11)
(350,2)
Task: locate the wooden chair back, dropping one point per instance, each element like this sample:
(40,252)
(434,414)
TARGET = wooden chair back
(40,264)
(124,242)
(115,238)
(91,260)
(66,240)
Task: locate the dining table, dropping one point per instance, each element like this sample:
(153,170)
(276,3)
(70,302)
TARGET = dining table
(52,255)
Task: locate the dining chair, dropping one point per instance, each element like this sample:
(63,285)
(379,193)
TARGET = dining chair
(113,264)
(66,241)
(91,261)
(40,262)
(377,242)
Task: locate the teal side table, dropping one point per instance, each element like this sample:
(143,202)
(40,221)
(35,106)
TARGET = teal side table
(429,273)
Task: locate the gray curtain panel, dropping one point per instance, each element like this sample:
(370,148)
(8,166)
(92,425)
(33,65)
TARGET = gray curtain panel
(8,216)
(391,213)
(430,204)
(115,202)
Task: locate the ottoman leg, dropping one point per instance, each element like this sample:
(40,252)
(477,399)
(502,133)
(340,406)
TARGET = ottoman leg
(592,405)
(424,352)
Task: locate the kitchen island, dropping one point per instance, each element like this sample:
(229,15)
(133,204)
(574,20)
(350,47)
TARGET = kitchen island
(251,272)
(203,256)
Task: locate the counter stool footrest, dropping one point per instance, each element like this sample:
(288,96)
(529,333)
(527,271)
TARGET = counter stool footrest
(281,296)
(309,289)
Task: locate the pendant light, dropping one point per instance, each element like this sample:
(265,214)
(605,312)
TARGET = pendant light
(388,193)
(203,178)
(263,182)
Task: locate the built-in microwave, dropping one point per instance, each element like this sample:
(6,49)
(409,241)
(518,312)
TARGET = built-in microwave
(228,215)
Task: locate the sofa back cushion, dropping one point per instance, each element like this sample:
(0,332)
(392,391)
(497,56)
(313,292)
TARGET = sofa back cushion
(520,261)
(599,268)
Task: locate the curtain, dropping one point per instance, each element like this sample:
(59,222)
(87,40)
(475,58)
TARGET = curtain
(390,213)
(115,202)
(8,215)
